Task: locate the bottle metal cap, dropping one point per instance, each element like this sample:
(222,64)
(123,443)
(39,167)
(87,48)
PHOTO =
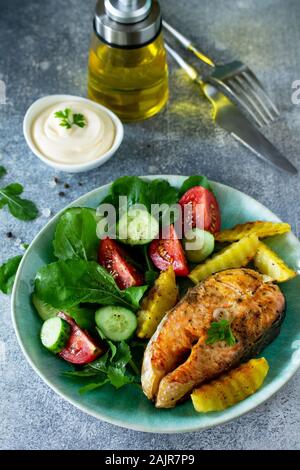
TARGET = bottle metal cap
(127,11)
(127,23)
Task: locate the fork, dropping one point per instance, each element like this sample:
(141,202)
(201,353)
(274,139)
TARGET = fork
(237,80)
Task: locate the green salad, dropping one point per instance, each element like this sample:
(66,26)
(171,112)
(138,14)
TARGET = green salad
(90,296)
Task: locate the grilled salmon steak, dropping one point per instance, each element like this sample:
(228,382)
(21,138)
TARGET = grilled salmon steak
(178,358)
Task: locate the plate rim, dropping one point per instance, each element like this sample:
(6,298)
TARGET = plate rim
(274,387)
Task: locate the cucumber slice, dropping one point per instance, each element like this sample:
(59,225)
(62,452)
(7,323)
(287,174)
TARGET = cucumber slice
(116,323)
(137,227)
(55,333)
(199,245)
(44,310)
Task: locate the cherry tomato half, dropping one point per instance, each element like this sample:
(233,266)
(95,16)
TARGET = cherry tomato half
(113,258)
(166,252)
(81,347)
(205,211)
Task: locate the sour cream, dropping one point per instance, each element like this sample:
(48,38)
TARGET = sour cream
(77,145)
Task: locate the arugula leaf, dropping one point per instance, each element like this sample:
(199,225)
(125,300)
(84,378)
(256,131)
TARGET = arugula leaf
(100,364)
(134,188)
(75,235)
(83,316)
(20,208)
(93,386)
(139,191)
(117,377)
(68,118)
(109,368)
(150,274)
(113,348)
(2,171)
(85,372)
(220,331)
(133,295)
(8,272)
(65,284)
(123,355)
(193,181)
(161,192)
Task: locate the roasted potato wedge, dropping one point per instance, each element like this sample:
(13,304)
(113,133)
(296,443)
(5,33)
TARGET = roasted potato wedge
(258,228)
(231,388)
(269,263)
(236,255)
(161,298)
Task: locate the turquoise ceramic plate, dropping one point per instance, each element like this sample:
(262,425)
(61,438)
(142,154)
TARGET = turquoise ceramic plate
(128,407)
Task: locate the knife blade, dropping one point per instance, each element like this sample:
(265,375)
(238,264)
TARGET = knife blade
(229,117)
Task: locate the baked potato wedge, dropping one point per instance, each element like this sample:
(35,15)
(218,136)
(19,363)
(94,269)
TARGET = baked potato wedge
(269,263)
(161,298)
(236,255)
(231,387)
(258,228)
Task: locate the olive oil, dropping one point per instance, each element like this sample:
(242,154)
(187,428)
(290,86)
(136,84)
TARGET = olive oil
(128,70)
(131,82)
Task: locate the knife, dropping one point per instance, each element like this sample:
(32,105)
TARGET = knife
(228,116)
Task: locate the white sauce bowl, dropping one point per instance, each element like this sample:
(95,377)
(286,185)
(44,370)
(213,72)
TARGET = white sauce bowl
(43,103)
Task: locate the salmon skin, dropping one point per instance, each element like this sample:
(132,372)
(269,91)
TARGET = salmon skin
(177,357)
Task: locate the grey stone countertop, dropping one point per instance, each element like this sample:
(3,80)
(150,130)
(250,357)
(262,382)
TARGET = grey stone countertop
(43,50)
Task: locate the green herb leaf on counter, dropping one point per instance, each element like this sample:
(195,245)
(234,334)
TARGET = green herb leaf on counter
(8,272)
(75,235)
(65,284)
(220,331)
(193,181)
(20,208)
(68,118)
(2,171)
(24,246)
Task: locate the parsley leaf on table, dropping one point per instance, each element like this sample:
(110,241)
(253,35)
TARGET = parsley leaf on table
(22,209)
(68,118)
(220,331)
(8,272)
(2,171)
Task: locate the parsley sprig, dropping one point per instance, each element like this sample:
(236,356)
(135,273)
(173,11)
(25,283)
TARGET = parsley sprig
(220,331)
(69,119)
(20,208)
(8,272)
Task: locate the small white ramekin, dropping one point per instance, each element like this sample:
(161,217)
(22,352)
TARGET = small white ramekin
(38,106)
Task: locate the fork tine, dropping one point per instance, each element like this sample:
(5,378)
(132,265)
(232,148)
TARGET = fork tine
(237,98)
(251,89)
(247,102)
(250,76)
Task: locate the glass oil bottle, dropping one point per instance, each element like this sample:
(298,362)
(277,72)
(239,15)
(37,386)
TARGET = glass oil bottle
(127,63)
